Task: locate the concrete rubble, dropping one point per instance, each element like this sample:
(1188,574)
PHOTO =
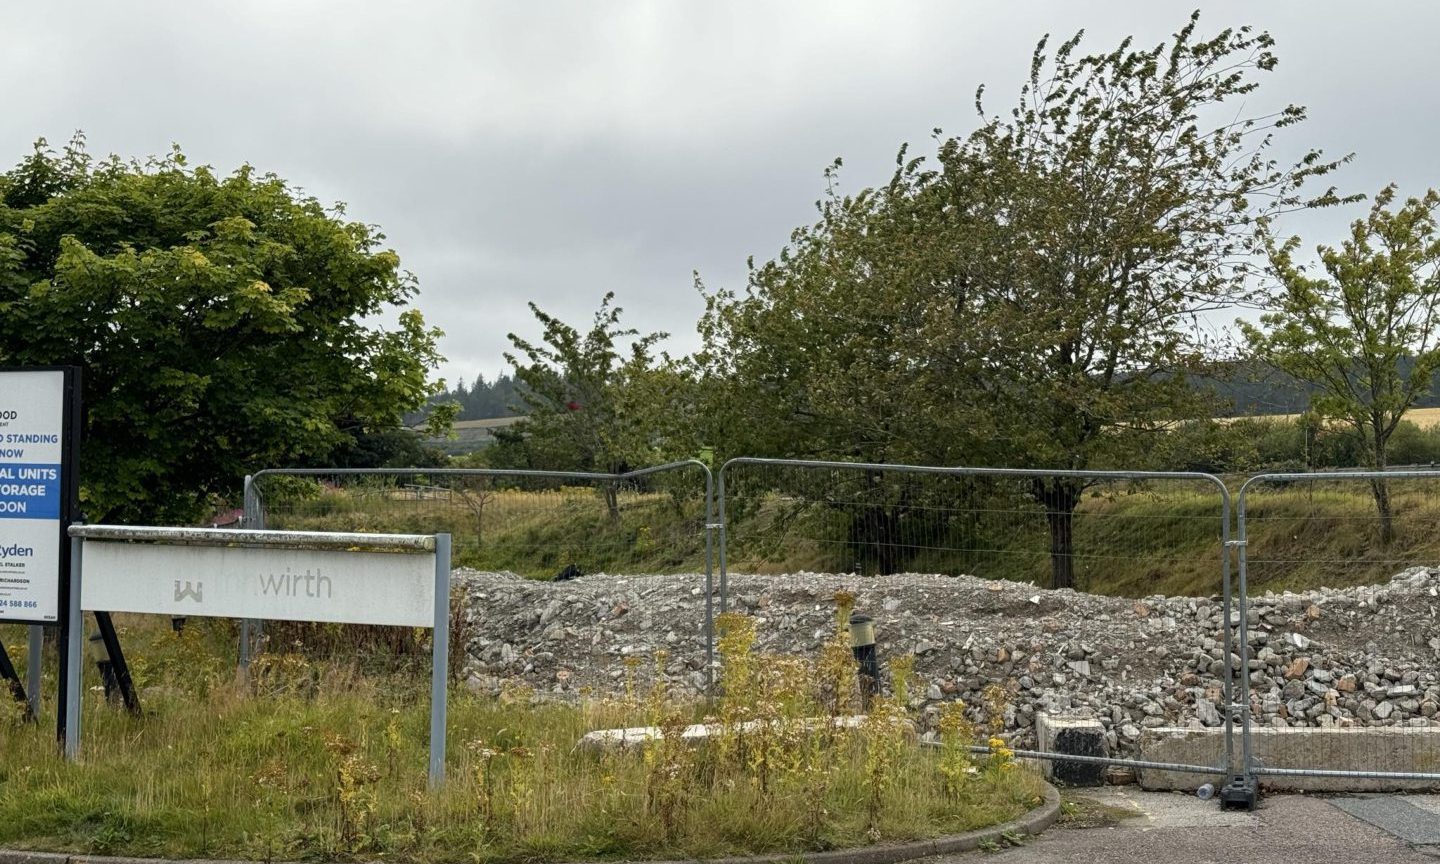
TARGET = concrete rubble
(1347,657)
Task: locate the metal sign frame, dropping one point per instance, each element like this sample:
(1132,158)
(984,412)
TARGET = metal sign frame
(69,487)
(71,423)
(437,545)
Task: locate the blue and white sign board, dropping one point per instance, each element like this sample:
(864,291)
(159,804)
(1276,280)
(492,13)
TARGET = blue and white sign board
(32,443)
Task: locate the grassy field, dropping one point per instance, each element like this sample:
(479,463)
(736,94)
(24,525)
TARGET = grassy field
(1129,539)
(1140,541)
(310,759)
(1425,418)
(533,533)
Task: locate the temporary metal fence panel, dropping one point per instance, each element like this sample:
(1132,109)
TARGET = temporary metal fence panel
(979,535)
(1342,680)
(640,535)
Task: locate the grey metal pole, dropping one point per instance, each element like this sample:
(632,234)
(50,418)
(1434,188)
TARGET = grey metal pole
(709,582)
(720,496)
(252,521)
(1247,753)
(34,668)
(251,505)
(440,661)
(75,654)
(1228,601)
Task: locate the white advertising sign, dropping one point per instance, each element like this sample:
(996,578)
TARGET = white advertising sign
(32,418)
(334,586)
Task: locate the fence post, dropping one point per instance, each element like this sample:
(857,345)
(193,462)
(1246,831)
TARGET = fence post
(1246,742)
(1241,789)
(709,581)
(720,526)
(1227,609)
(254,521)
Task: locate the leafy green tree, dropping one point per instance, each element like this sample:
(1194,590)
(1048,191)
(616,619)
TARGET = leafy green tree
(585,397)
(222,322)
(825,354)
(1365,331)
(1029,296)
(395,447)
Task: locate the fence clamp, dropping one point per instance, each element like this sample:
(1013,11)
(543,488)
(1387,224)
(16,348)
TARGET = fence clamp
(714,526)
(1236,544)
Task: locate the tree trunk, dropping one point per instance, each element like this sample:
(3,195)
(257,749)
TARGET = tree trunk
(1060,497)
(875,528)
(612,503)
(1380,488)
(891,555)
(874,539)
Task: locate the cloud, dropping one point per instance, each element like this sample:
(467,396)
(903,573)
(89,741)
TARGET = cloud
(552,152)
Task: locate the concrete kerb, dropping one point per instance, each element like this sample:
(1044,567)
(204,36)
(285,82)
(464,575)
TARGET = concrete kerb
(1029,825)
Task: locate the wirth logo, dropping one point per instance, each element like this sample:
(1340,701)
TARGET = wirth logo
(289,584)
(16,551)
(192,592)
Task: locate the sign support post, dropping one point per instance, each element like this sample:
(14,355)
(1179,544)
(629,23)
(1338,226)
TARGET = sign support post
(72,651)
(440,661)
(35,669)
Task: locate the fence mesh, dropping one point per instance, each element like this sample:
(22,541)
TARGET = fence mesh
(537,527)
(1123,536)
(1342,581)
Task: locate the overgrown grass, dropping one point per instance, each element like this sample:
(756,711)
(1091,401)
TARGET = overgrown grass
(311,759)
(533,533)
(1309,533)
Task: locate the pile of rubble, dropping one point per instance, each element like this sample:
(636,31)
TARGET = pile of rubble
(1330,657)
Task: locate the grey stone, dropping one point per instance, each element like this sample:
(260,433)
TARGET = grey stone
(1134,664)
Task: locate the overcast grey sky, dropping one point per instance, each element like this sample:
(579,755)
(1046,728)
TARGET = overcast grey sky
(555,151)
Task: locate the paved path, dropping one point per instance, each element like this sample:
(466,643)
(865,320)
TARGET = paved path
(1171,828)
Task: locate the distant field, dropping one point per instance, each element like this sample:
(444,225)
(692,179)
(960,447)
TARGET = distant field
(1425,418)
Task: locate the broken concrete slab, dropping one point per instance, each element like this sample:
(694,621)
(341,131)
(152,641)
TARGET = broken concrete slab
(1355,748)
(1075,736)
